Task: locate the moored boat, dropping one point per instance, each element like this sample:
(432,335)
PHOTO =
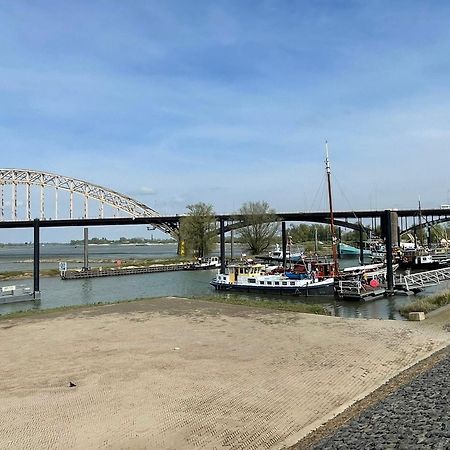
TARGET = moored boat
(277,254)
(349,250)
(254,278)
(16,294)
(212,262)
(420,260)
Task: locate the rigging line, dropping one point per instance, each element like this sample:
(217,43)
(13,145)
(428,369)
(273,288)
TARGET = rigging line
(346,198)
(320,189)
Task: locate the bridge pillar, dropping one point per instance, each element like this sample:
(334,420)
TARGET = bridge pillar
(36,258)
(283,241)
(361,245)
(388,235)
(222,246)
(86,248)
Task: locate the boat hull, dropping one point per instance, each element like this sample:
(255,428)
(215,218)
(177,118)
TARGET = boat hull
(310,290)
(425,266)
(8,299)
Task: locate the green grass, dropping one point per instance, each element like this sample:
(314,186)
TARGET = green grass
(427,304)
(37,312)
(17,275)
(280,306)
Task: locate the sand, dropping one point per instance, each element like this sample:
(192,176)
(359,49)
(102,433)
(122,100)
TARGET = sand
(188,374)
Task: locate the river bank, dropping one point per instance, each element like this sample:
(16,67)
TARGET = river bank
(182,373)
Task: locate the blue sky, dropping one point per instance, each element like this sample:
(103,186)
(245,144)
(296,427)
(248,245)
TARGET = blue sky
(177,102)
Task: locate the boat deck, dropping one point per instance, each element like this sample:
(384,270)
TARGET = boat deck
(355,290)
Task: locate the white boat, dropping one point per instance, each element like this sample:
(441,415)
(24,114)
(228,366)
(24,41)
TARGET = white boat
(206,263)
(15,294)
(367,272)
(277,254)
(254,278)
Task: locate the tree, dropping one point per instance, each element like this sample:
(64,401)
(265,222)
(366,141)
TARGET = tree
(305,233)
(260,226)
(198,229)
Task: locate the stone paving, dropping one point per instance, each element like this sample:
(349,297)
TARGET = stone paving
(188,374)
(417,416)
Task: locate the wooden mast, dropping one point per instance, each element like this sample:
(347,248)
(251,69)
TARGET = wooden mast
(330,201)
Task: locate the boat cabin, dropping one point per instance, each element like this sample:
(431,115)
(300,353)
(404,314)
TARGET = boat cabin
(423,259)
(239,270)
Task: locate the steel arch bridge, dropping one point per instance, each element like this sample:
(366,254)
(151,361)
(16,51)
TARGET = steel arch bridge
(426,223)
(76,189)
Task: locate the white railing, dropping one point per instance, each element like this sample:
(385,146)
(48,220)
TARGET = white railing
(350,286)
(429,278)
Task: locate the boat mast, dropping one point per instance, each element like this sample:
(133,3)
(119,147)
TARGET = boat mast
(330,202)
(420,224)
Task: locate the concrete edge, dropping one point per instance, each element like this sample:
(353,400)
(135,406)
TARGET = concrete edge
(297,437)
(438,311)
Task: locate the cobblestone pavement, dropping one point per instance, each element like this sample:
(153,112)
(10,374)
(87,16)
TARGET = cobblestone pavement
(417,416)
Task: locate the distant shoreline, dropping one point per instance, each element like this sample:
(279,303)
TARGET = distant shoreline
(69,244)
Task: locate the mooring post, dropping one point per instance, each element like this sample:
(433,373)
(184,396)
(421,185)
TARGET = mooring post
(222,246)
(339,242)
(231,245)
(86,249)
(361,244)
(36,258)
(415,234)
(283,242)
(388,231)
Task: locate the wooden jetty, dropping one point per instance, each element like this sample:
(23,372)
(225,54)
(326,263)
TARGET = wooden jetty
(136,270)
(117,271)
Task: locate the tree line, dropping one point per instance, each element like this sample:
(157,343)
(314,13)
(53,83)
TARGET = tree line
(260,229)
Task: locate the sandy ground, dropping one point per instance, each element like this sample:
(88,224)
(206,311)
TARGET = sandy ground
(187,374)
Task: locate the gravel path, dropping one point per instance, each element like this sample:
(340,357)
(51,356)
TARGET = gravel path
(417,416)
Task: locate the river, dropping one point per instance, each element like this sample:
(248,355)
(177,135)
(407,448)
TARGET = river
(56,292)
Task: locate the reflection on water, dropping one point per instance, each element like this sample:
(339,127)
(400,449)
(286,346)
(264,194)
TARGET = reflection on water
(57,293)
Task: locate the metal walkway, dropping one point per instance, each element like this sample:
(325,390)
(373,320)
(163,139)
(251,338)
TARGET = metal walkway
(429,278)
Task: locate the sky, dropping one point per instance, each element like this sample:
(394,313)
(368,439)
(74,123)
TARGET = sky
(225,102)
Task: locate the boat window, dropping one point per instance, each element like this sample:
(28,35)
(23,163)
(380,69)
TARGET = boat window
(277,283)
(251,280)
(261,282)
(292,283)
(284,283)
(269,282)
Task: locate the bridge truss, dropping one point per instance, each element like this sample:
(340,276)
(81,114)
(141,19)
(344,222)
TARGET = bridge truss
(80,193)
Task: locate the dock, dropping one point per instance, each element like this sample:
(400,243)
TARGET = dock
(355,290)
(131,270)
